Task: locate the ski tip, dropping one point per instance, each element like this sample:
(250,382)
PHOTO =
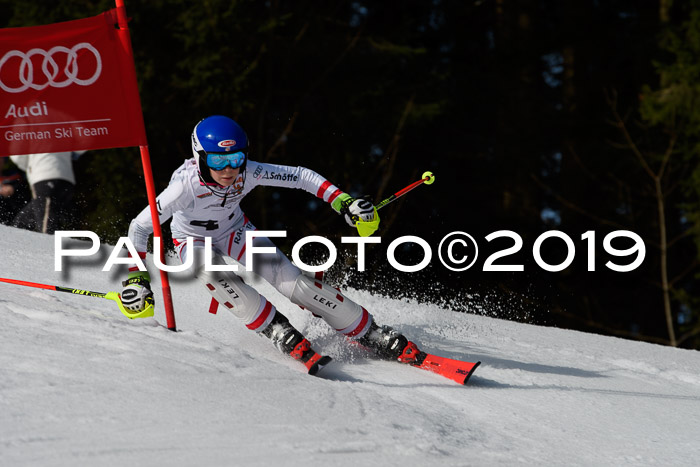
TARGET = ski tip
(319,364)
(466,378)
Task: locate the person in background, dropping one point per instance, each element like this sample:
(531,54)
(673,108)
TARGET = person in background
(52,181)
(13,191)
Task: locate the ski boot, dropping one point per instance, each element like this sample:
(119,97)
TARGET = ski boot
(291,342)
(390,344)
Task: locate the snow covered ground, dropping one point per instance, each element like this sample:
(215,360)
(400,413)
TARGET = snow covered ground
(82,385)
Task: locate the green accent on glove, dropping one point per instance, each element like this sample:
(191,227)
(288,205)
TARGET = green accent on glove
(342,201)
(141,274)
(145,313)
(367,228)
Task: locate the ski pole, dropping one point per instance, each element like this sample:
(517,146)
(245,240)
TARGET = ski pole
(145,313)
(365,229)
(428,179)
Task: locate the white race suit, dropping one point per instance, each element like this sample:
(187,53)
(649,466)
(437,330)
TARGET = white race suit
(200,212)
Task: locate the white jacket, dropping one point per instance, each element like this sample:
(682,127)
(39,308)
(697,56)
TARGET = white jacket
(198,212)
(47,166)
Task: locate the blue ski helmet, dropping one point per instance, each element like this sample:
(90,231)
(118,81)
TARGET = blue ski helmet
(217,135)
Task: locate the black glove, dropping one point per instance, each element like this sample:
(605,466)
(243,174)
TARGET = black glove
(357,210)
(137,294)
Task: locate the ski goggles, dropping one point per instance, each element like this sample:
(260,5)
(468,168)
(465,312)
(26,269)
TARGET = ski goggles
(219,161)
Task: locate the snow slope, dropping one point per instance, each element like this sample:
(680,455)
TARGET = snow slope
(82,385)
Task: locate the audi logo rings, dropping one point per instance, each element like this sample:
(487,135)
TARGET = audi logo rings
(50,69)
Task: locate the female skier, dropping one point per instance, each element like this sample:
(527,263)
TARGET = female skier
(203,198)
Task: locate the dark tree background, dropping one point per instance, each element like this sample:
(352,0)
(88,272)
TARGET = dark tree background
(534,115)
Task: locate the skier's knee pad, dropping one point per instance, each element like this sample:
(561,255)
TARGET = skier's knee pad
(344,315)
(239,298)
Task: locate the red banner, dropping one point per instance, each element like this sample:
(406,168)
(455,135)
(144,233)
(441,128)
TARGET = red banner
(68,86)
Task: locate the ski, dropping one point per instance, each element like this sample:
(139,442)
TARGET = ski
(316,363)
(456,370)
